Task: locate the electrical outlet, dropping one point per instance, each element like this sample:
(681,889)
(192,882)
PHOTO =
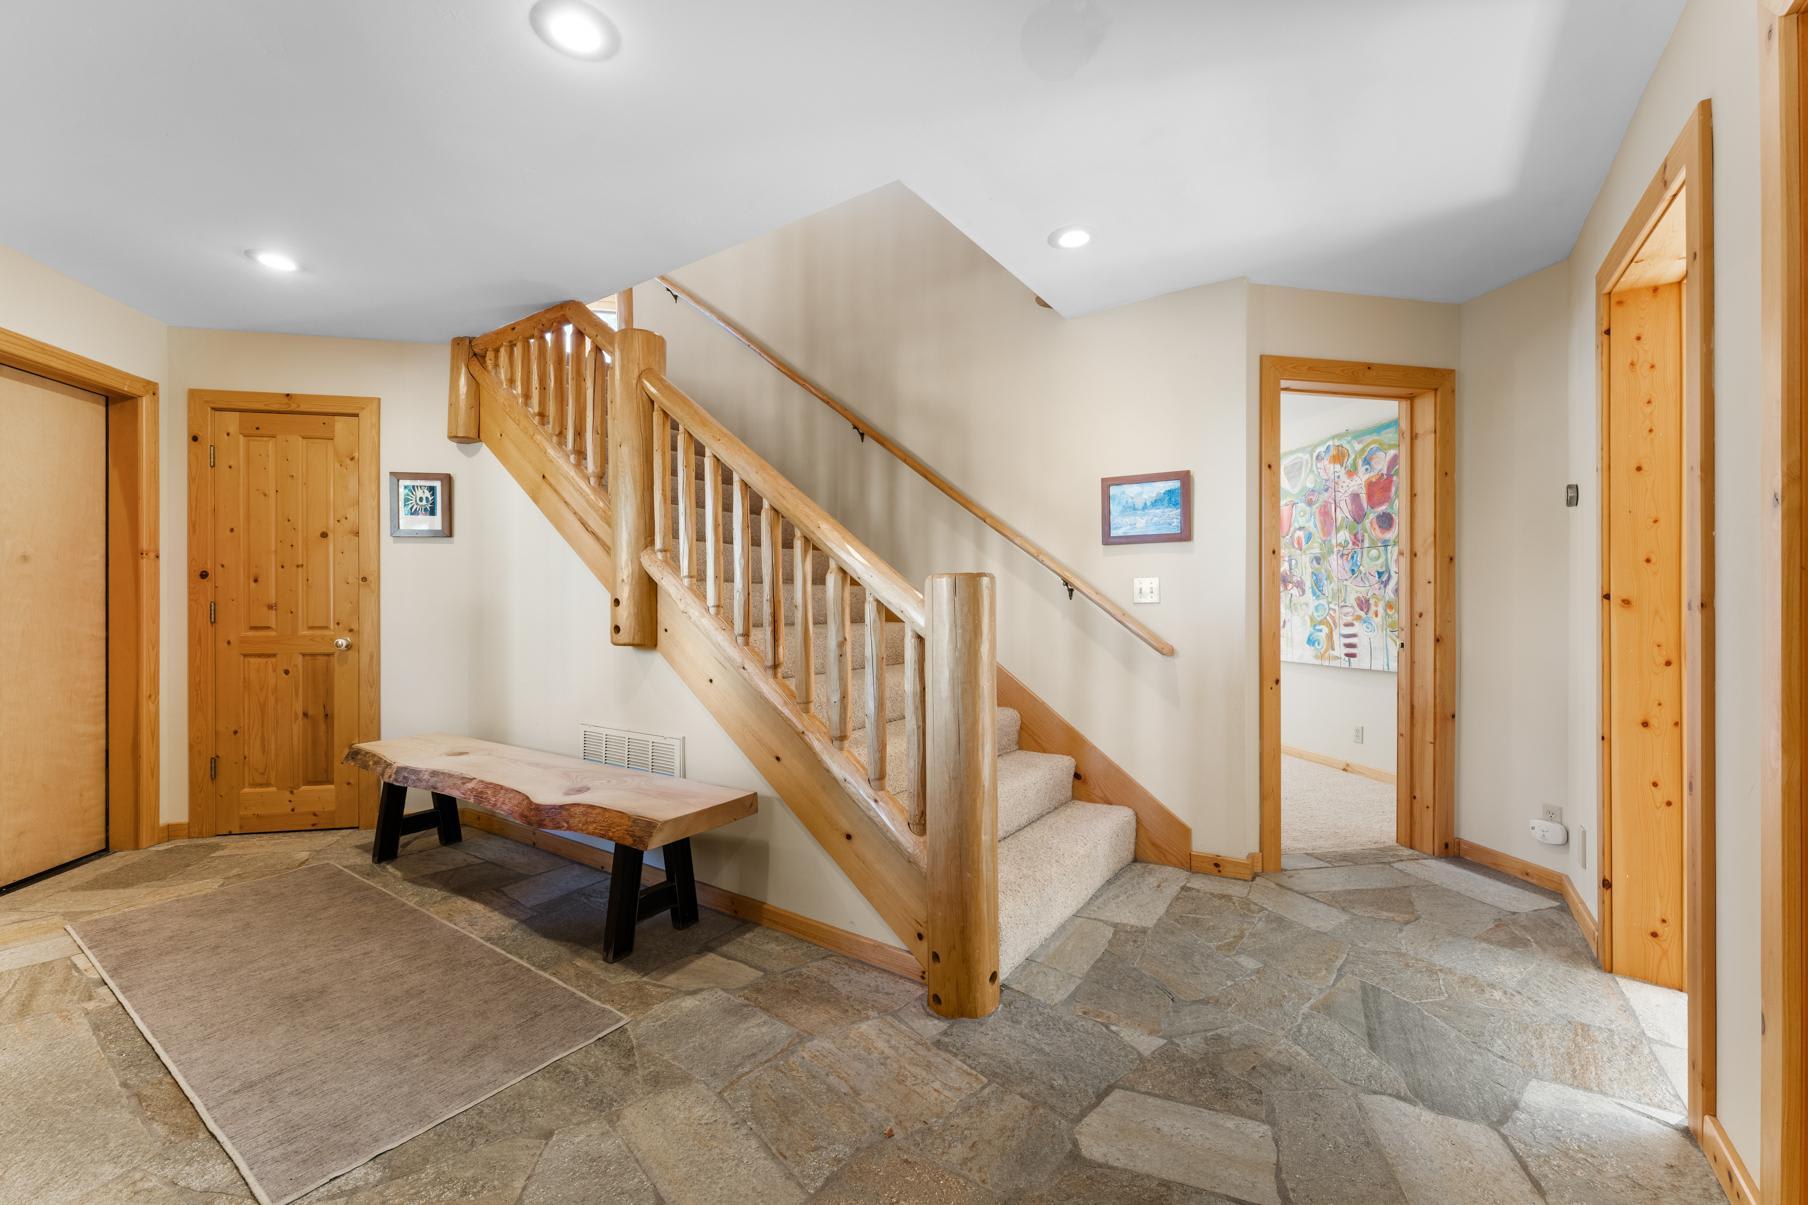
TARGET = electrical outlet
(1145,589)
(1358,737)
(1553,813)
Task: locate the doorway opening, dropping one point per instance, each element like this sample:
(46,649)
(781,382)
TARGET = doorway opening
(1654,315)
(1340,623)
(1369,510)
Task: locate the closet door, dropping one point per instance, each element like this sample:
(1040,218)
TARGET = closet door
(53,624)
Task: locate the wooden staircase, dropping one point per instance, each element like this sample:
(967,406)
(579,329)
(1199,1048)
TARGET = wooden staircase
(873,709)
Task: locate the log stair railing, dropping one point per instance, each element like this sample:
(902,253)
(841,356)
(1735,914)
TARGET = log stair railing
(1072,581)
(617,455)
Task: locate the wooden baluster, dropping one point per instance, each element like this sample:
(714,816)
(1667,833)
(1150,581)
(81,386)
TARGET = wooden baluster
(743,561)
(961,812)
(802,560)
(913,726)
(840,665)
(555,385)
(593,429)
(875,691)
(605,381)
(772,567)
(662,483)
(687,507)
(712,532)
(532,353)
(516,381)
(577,406)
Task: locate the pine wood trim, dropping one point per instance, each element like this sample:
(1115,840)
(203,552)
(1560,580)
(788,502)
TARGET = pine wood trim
(1161,836)
(1226,866)
(1426,775)
(133,616)
(1338,763)
(1585,920)
(1531,872)
(1687,170)
(202,405)
(1783,833)
(1728,1167)
(840,941)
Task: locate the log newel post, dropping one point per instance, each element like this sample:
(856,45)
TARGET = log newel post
(634,613)
(961,794)
(461,396)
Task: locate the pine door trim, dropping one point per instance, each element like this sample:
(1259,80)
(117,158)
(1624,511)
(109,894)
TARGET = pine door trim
(134,817)
(203,802)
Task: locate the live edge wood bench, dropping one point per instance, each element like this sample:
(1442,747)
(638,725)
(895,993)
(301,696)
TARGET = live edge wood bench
(635,810)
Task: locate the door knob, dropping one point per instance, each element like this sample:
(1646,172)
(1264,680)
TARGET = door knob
(342,643)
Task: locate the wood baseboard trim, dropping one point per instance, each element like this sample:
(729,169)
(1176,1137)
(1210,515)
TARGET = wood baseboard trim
(853,945)
(1537,876)
(1338,763)
(1728,1167)
(1225,866)
(1519,868)
(175,830)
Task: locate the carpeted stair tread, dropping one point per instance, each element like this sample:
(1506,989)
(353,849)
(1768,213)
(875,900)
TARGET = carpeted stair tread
(1049,869)
(819,595)
(894,645)
(756,564)
(1030,786)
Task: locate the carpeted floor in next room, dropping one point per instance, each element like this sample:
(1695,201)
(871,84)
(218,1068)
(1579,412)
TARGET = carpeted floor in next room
(1355,1031)
(1324,808)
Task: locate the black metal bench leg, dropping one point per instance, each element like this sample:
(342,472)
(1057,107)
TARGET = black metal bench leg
(624,904)
(388,836)
(684,882)
(445,810)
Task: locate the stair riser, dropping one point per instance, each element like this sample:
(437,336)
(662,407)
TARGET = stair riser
(756,563)
(894,645)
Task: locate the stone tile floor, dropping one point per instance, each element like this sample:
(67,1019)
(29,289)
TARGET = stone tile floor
(1364,1026)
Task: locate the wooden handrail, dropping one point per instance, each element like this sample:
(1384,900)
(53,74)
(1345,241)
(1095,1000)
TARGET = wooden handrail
(817,525)
(1073,581)
(576,313)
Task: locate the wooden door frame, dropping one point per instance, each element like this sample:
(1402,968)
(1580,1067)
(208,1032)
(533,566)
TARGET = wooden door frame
(134,817)
(203,801)
(1425,767)
(1783,835)
(1689,166)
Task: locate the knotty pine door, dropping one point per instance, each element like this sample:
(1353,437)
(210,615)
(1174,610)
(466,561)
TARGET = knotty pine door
(53,624)
(293,529)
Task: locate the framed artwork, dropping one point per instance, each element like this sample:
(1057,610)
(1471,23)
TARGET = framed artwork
(1152,508)
(1340,550)
(420,505)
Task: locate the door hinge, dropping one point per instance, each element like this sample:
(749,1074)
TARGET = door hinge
(213,767)
(213,613)
(210,456)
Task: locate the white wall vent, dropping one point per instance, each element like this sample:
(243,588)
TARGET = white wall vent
(633,750)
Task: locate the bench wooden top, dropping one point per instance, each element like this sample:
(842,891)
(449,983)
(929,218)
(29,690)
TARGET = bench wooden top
(547,791)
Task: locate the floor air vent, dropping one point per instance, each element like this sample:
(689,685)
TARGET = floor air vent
(633,750)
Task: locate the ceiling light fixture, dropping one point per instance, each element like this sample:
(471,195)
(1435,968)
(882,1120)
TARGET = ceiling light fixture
(574,28)
(276,261)
(1070,238)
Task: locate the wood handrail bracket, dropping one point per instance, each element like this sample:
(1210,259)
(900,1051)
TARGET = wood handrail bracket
(1071,580)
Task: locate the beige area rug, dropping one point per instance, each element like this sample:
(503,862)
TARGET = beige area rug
(316,1021)
(1323,808)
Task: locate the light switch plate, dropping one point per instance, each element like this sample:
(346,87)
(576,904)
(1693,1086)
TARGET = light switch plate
(1145,589)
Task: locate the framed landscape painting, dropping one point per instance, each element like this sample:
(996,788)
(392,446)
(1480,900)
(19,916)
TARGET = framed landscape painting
(1152,508)
(420,505)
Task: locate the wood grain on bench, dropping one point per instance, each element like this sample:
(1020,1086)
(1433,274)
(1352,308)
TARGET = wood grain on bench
(548,791)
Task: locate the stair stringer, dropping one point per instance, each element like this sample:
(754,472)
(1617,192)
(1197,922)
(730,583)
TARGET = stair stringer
(771,738)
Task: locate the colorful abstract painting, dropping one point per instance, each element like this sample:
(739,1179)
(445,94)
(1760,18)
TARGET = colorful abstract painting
(1340,590)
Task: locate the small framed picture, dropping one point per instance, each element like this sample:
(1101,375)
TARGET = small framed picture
(420,505)
(1151,508)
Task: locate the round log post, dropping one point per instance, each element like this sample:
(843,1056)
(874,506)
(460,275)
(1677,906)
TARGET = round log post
(635,613)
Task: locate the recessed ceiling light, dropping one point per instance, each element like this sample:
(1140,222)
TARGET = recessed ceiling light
(276,261)
(1070,238)
(574,28)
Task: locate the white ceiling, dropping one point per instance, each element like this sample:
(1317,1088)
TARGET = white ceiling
(438,170)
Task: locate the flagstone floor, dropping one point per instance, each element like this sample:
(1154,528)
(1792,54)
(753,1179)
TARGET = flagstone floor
(1366,1027)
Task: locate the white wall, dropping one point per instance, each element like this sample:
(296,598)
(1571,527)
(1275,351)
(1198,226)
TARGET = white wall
(1323,705)
(1514,729)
